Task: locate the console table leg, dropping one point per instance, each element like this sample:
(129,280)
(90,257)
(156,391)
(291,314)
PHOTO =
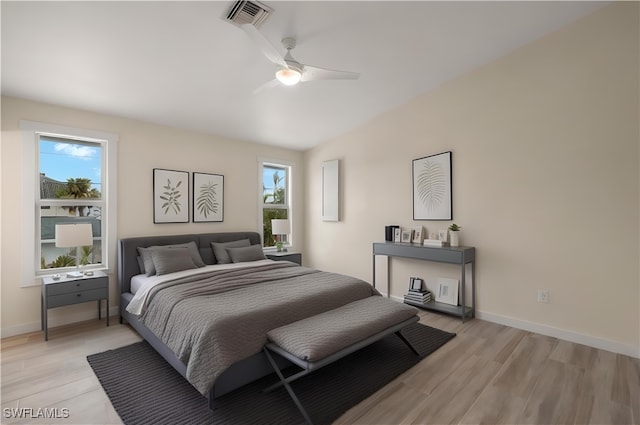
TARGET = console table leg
(374,271)
(473,289)
(388,279)
(463,289)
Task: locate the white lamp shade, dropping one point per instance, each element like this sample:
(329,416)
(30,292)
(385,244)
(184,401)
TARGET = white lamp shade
(280,227)
(74,235)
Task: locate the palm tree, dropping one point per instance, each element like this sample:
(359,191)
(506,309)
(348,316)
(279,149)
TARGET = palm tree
(62,261)
(78,188)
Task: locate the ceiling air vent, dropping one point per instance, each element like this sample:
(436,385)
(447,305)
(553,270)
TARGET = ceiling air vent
(248,12)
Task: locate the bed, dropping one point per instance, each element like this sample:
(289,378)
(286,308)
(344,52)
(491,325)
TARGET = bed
(210,321)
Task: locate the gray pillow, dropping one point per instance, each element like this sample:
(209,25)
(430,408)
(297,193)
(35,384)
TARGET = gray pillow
(140,264)
(172,260)
(149,267)
(249,253)
(220,252)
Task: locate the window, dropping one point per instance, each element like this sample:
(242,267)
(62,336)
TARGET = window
(73,182)
(70,191)
(275,199)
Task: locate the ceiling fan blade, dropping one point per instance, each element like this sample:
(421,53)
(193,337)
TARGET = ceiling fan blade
(266,86)
(312,73)
(267,48)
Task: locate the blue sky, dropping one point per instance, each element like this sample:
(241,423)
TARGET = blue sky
(61,161)
(267,178)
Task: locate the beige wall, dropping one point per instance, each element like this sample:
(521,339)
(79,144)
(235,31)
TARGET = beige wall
(545,182)
(141,148)
(545,170)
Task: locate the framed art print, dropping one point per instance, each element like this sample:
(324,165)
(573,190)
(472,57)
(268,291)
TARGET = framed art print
(170,196)
(208,197)
(432,197)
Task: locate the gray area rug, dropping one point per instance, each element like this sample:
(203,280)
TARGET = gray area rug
(144,389)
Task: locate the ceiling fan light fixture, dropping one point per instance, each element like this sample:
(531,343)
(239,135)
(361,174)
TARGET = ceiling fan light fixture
(288,76)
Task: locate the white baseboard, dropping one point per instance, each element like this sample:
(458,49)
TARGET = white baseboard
(54,321)
(591,341)
(566,335)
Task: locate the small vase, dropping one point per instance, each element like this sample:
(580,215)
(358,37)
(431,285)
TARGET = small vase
(454,238)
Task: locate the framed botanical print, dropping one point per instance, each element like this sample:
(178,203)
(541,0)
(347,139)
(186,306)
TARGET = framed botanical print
(432,197)
(170,196)
(208,197)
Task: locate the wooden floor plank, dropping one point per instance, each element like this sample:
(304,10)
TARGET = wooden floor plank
(487,374)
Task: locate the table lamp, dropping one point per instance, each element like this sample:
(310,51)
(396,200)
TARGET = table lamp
(280,227)
(74,235)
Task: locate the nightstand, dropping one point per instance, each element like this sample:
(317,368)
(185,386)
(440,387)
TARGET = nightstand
(294,257)
(68,290)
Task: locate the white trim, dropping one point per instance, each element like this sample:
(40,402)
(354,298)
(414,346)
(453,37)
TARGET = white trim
(563,334)
(579,338)
(29,187)
(30,191)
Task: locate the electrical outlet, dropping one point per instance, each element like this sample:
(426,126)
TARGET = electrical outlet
(543,295)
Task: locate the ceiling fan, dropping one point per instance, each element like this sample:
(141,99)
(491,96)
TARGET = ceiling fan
(291,72)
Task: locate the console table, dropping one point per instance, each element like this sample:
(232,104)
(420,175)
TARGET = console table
(460,255)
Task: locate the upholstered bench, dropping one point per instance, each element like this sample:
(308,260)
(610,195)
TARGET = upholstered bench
(322,339)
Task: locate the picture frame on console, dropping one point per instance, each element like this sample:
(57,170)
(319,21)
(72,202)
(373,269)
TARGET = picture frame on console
(447,291)
(415,284)
(418,235)
(432,187)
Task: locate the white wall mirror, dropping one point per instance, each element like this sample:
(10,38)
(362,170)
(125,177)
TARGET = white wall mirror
(331,190)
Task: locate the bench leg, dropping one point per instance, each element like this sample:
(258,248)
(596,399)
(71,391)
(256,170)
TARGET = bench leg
(288,387)
(288,379)
(406,341)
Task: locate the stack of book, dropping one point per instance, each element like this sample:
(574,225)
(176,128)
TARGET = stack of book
(417,297)
(433,242)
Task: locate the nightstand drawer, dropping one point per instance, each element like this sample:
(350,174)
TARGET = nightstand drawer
(294,257)
(77,297)
(77,285)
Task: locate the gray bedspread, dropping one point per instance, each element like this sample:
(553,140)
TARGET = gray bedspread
(220,317)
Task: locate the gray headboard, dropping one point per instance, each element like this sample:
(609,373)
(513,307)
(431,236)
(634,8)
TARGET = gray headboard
(128,250)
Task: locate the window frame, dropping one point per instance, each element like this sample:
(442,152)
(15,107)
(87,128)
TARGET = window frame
(32,131)
(288,204)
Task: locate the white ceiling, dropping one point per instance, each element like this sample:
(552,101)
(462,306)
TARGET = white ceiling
(180,64)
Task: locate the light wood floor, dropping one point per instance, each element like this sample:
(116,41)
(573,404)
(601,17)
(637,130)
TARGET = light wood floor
(488,374)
